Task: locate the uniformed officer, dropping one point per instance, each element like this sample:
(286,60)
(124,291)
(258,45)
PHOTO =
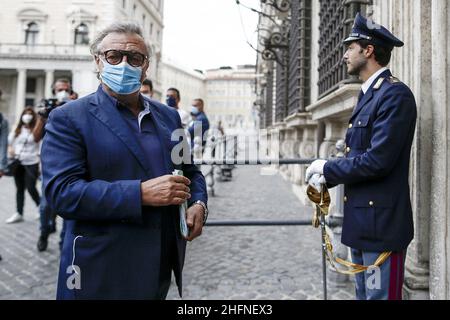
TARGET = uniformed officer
(378,215)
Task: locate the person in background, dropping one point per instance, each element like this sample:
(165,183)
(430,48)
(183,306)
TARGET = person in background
(173,99)
(220,128)
(147,88)
(24,147)
(62,91)
(199,120)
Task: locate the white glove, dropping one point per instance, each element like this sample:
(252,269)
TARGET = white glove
(317,181)
(315,168)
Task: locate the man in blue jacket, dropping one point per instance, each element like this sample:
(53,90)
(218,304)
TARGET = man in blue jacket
(200,123)
(377,211)
(107,167)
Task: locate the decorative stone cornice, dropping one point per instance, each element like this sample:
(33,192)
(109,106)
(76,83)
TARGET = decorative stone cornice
(337,104)
(32,14)
(78,15)
(278,126)
(301,119)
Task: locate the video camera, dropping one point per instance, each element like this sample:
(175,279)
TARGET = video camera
(48,105)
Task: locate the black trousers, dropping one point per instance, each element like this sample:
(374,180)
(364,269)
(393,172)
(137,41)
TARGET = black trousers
(26,177)
(168,253)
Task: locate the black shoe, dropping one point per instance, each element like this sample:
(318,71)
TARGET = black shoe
(42,243)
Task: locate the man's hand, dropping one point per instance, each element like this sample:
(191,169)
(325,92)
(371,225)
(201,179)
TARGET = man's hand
(1,173)
(11,152)
(317,181)
(194,219)
(315,168)
(165,191)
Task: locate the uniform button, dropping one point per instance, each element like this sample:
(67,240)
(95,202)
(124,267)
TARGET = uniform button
(345,199)
(359,123)
(348,150)
(371,203)
(350,126)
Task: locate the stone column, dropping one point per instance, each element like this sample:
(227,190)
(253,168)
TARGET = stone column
(333,133)
(418,76)
(274,143)
(297,170)
(49,79)
(21,87)
(285,152)
(439,224)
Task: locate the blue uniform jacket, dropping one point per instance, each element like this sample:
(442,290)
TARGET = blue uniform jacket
(377,210)
(93,168)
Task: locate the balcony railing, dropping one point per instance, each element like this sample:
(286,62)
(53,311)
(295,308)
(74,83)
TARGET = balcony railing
(45,50)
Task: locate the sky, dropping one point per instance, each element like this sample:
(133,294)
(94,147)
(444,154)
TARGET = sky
(208,34)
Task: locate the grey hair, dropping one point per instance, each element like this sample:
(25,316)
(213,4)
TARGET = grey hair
(118,27)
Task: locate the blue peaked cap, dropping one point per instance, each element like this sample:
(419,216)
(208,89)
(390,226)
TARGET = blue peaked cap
(367,29)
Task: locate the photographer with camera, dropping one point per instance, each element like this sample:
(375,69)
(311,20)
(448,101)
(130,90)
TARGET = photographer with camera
(63,93)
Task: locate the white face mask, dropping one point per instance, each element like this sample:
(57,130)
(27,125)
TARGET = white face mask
(27,118)
(62,96)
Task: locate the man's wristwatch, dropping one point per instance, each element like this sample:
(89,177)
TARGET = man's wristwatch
(205,210)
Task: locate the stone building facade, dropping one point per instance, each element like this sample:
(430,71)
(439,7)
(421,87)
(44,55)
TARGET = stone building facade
(41,40)
(190,83)
(230,96)
(305,99)
(228,93)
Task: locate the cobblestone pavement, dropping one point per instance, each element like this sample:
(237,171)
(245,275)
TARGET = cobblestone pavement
(224,263)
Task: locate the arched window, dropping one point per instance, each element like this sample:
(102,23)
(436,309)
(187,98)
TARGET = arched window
(31,33)
(82,34)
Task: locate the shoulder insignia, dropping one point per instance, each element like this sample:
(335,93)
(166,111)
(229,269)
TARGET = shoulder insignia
(378,84)
(394,80)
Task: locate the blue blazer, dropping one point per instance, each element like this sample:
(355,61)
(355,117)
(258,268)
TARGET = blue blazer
(377,210)
(93,168)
